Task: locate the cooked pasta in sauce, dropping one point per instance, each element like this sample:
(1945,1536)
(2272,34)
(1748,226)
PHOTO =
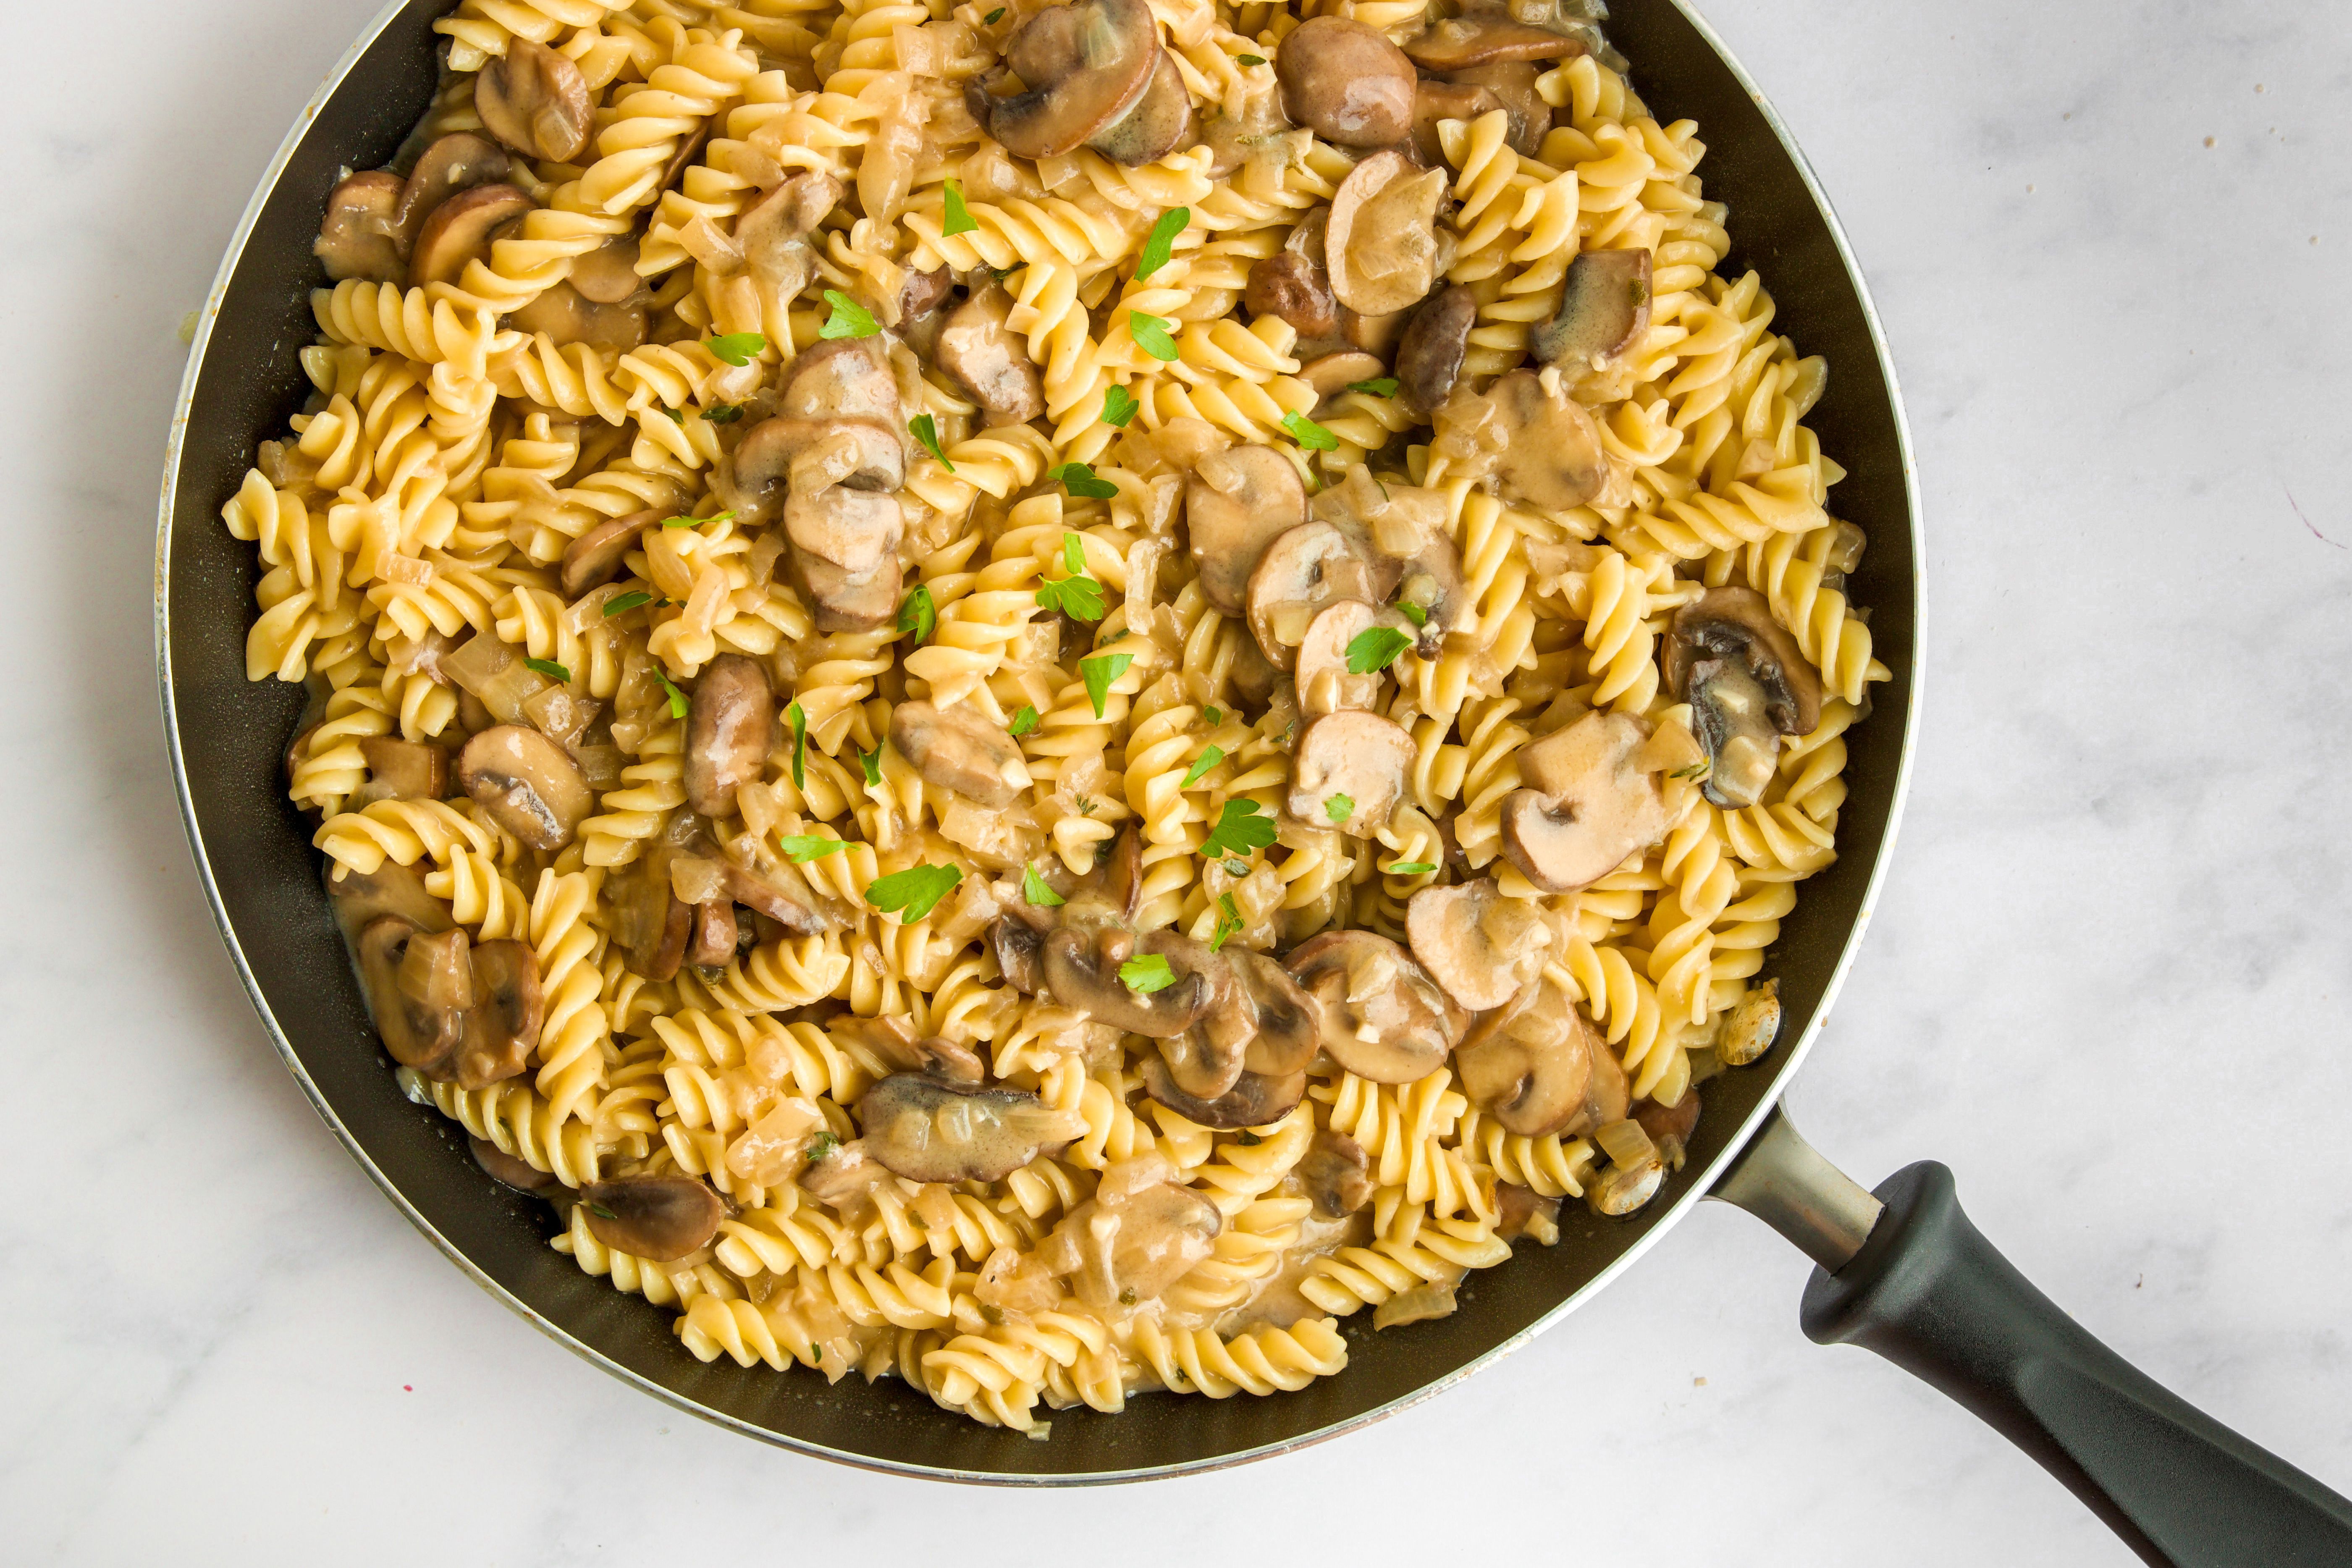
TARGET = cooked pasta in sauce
(1037,697)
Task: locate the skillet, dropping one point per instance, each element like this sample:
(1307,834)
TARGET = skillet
(1902,1271)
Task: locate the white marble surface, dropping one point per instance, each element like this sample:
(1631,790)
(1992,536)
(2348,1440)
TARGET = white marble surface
(2108,984)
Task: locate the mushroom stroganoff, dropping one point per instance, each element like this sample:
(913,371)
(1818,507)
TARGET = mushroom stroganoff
(1038,695)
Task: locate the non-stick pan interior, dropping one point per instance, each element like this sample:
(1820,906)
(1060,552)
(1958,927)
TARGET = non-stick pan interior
(265,876)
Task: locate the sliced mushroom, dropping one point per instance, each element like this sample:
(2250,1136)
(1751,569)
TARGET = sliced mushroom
(731,723)
(809,453)
(1538,441)
(1604,309)
(1513,85)
(404,770)
(1381,246)
(1085,65)
(1156,126)
(843,601)
(1256,1099)
(1384,1019)
(711,935)
(778,891)
(1325,683)
(1439,100)
(359,234)
(923,308)
(1295,288)
(991,360)
(1346,82)
(1622,1189)
(650,923)
(857,530)
(535,101)
(1587,805)
(1521,1211)
(1336,1173)
(1538,1067)
(1112,890)
(451,163)
(1669,1126)
(360,897)
(1288,1028)
(1429,355)
(1432,585)
(1748,683)
(1486,38)
(1140,1234)
(956,749)
(659,1218)
(595,557)
(510,1170)
(943,1058)
(1236,504)
(608,274)
(1206,1060)
(1479,945)
(418,988)
(1349,771)
(844,378)
(927,1129)
(1752,1027)
(567,316)
(1020,949)
(529,785)
(460,231)
(1081,969)
(1305,569)
(1333,374)
(772,233)
(502,1025)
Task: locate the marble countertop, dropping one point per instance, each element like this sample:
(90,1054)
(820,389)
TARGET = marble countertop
(2108,982)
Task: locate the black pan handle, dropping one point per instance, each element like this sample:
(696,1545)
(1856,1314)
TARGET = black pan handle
(1919,1284)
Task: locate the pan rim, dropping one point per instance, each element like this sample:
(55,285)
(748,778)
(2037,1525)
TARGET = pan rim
(1791,1059)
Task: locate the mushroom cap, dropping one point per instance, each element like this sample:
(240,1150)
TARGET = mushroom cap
(1362,756)
(813,452)
(535,101)
(1380,245)
(1622,1189)
(1384,1019)
(1336,1172)
(510,1170)
(595,557)
(1156,126)
(360,897)
(1346,82)
(460,231)
(659,1218)
(1255,1017)
(1255,1101)
(956,749)
(451,163)
(1487,39)
(418,987)
(843,601)
(564,315)
(1587,805)
(1479,945)
(1297,289)
(1236,504)
(731,723)
(359,235)
(710,933)
(1540,1068)
(529,785)
(1752,1026)
(1305,569)
(1020,949)
(1140,1232)
(1513,84)
(928,1129)
(1325,685)
(857,530)
(1429,355)
(405,770)
(1083,974)
(1604,309)
(1085,65)
(983,352)
(1289,1024)
(774,231)
(1738,624)
(842,378)
(608,274)
(503,1025)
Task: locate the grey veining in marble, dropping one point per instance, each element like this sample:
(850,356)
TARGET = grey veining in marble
(2107,985)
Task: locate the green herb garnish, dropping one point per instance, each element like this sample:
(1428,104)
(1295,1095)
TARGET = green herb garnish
(872,762)
(1249,60)
(1033,888)
(1691,772)
(1098,673)
(993,18)
(676,698)
(1308,433)
(1249,1139)
(916,614)
(1339,808)
(601,1212)
(1079,479)
(1379,386)
(1237,869)
(736,348)
(1025,720)
(675,418)
(1413,611)
(723,413)
(1119,406)
(1208,758)
(1127,1296)
(1160,243)
(1229,921)
(992,1314)
(1375,648)
(800,849)
(1147,972)
(799,716)
(849,318)
(960,219)
(1240,828)
(1086,806)
(548,668)
(1077,595)
(913,892)
(926,429)
(821,1145)
(1150,335)
(1409,869)
(628,601)
(683,521)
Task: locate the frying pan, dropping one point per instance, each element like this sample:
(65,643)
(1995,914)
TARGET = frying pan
(1901,1271)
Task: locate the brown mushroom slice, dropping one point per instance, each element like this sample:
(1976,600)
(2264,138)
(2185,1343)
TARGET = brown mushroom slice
(843,378)
(460,231)
(1346,82)
(927,1129)
(595,557)
(1307,568)
(1256,1099)
(1020,949)
(1333,374)
(1747,684)
(1112,889)
(567,316)
(1380,245)
(418,987)
(1206,1060)
(772,233)
(956,749)
(923,299)
(1236,504)
(1604,309)
(405,770)
(1486,38)
(1140,1234)
(451,163)
(529,785)
(1349,771)
(1156,126)
(1437,100)
(1384,1019)
(843,601)
(608,274)
(1752,1027)
(1433,585)
(1540,1068)
(360,897)
(1429,355)
(650,924)
(780,893)
(1085,65)
(731,723)
(1289,1022)
(358,233)
(991,360)
(510,1170)
(503,1025)
(1521,1211)
(659,1218)
(807,454)
(1325,684)
(1621,1190)
(711,935)
(1336,1173)
(1587,805)
(1670,1126)
(535,101)
(1295,288)
(1082,971)
(1479,945)
(1513,85)
(857,530)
